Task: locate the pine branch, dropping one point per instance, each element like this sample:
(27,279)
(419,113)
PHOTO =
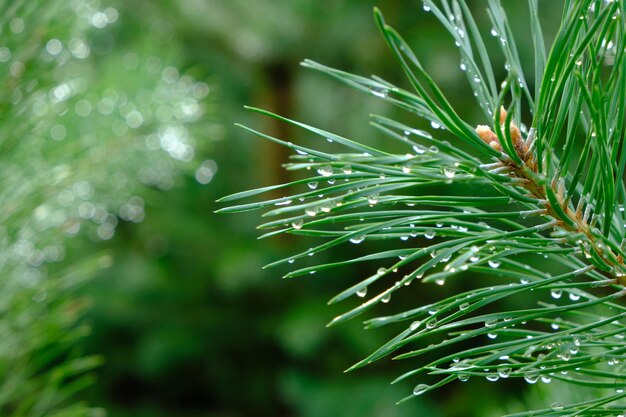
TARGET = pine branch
(551,192)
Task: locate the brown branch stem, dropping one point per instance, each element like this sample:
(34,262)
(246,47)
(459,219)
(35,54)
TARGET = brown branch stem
(527,171)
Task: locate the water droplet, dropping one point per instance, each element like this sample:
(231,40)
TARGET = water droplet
(463,377)
(54,47)
(386,298)
(431,323)
(493,263)
(379,92)
(464,306)
(361,292)
(381,271)
(504,372)
(492,377)
(16,25)
(347,170)
(463,66)
(297,224)
(449,172)
(494,32)
(460,366)
(423,134)
(429,234)
(557,406)
(325,171)
(327,207)
(415,325)
(491,323)
(556,294)
(357,239)
(435,125)
(574,297)
(420,389)
(372,199)
(492,335)
(531,377)
(311,211)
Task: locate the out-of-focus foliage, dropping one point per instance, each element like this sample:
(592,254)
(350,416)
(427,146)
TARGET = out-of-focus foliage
(86,127)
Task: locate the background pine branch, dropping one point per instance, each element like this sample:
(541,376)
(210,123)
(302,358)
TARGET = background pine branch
(87,130)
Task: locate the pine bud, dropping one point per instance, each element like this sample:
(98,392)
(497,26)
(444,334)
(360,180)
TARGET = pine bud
(490,138)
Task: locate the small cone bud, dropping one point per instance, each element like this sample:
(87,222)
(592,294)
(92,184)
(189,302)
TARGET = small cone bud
(516,136)
(485,133)
(496,145)
(490,138)
(502,115)
(515,133)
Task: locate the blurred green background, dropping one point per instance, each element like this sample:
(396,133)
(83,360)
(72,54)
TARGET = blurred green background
(186,320)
